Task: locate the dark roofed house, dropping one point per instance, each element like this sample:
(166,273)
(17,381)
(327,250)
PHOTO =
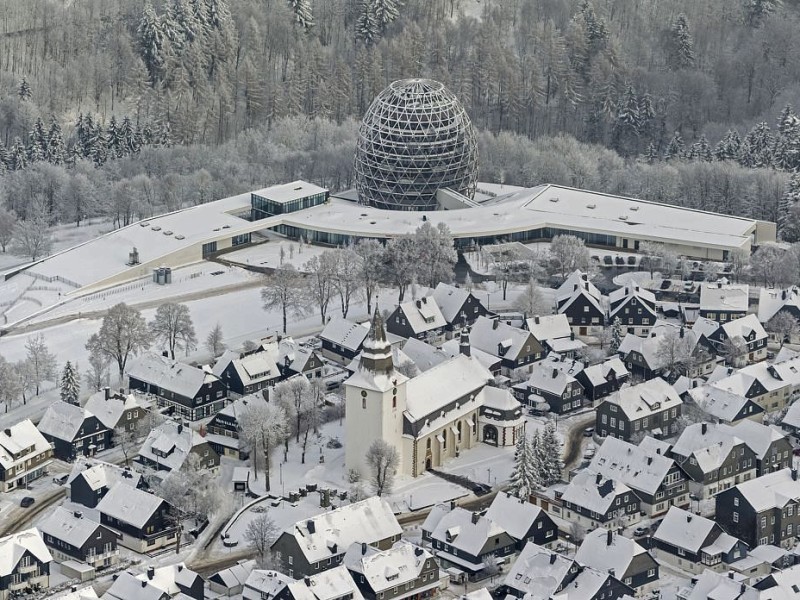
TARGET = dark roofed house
(549,385)
(72,536)
(608,552)
(91,479)
(245,374)
(143,520)
(342,339)
(459,307)
(635,307)
(170,445)
(403,571)
(223,428)
(516,348)
(421,319)
(73,431)
(554,334)
(24,564)
(522,520)
(593,500)
(582,303)
(117,410)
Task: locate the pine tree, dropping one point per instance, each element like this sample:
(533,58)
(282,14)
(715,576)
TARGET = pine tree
(701,150)
(367,29)
(5,157)
(787,114)
(56,152)
(18,159)
(98,146)
(302,13)
(114,141)
(627,123)
(675,148)
(150,40)
(70,384)
(651,155)
(786,154)
(681,51)
(788,223)
(756,10)
(37,142)
(550,455)
(130,142)
(536,468)
(386,12)
(729,146)
(24,90)
(757,148)
(616,335)
(518,481)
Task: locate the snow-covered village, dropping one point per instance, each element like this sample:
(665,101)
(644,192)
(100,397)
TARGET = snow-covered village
(399,300)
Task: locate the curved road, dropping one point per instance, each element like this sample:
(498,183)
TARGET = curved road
(572,445)
(18,517)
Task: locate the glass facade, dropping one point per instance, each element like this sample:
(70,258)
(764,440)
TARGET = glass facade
(238,240)
(209,248)
(261,207)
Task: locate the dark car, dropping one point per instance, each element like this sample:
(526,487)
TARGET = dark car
(27,501)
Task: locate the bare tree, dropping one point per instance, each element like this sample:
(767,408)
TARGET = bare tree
(734,348)
(347,276)
(435,253)
(294,395)
(320,280)
(371,256)
(656,255)
(783,325)
(214,341)
(674,350)
(8,222)
(569,253)
(10,384)
(382,461)
(124,333)
(400,263)
(263,426)
(97,374)
(531,301)
(739,260)
(172,325)
(41,362)
(260,534)
(283,291)
(32,236)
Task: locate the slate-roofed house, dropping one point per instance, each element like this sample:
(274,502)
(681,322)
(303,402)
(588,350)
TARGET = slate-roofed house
(602,379)
(523,521)
(192,393)
(762,510)
(73,431)
(724,406)
(635,307)
(548,384)
(593,500)
(293,359)
(591,584)
(245,374)
(24,564)
(262,583)
(319,543)
(223,428)
(791,420)
(25,455)
(90,480)
(539,573)
(423,355)
(772,448)
(72,536)
(142,519)
(711,584)
(516,348)
(158,583)
(169,445)
(652,407)
(608,552)
(694,543)
(713,458)
(402,571)
(554,334)
(582,303)
(657,480)
(116,410)
(421,319)
(342,339)
(773,301)
(231,581)
(468,541)
(334,584)
(746,331)
(724,302)
(643,358)
(771,386)
(459,307)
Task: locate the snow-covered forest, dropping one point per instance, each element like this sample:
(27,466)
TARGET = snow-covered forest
(129,108)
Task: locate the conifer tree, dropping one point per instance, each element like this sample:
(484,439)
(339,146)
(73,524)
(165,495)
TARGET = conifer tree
(114,141)
(757,147)
(302,13)
(24,90)
(386,11)
(788,222)
(18,159)
(56,153)
(616,335)
(367,29)
(129,141)
(681,54)
(701,150)
(150,39)
(520,480)
(651,155)
(675,148)
(729,146)
(37,142)
(5,157)
(550,455)
(70,384)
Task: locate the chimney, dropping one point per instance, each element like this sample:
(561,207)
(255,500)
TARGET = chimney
(689,518)
(463,343)
(180,427)
(307,581)
(719,285)
(703,428)
(612,572)
(495,324)
(363,547)
(475,518)
(107,392)
(180,567)
(536,319)
(151,572)
(555,373)
(553,558)
(77,514)
(609,537)
(419,304)
(682,332)
(452,504)
(586,364)
(7,432)
(586,286)
(649,460)
(794,474)
(598,479)
(144,584)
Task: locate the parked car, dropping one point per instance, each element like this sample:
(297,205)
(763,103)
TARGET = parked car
(640,531)
(588,432)
(27,501)
(61,479)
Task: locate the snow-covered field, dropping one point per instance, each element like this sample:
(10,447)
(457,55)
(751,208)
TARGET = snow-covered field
(268,254)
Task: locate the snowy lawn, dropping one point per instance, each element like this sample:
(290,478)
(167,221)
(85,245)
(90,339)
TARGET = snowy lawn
(268,254)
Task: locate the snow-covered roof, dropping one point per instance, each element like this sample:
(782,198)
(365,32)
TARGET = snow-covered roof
(648,346)
(86,593)
(466,531)
(683,529)
(593,491)
(488,360)
(237,408)
(172,375)
(252,368)
(744,327)
(587,585)
(109,410)
(495,398)
(719,586)
(264,584)
(782,585)
(14,546)
(432,390)
(724,297)
(345,333)
(286,192)
(450,299)
(169,444)
(620,298)
(435,516)
(162,580)
(399,357)
(631,465)
(792,416)
(99,474)
(771,490)
(236,575)
(382,569)
(709,443)
(538,572)
(597,374)
(651,396)
(423,314)
(514,515)
(129,505)
(17,439)
(757,436)
(549,378)
(577,280)
(423,355)
(333,584)
(62,420)
(604,550)
(717,402)
(489,335)
(772,376)
(770,301)
(549,327)
(367,521)
(69,527)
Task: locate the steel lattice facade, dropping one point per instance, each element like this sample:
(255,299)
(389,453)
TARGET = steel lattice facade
(415,139)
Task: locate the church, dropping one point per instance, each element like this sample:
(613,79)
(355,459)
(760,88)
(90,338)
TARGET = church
(429,418)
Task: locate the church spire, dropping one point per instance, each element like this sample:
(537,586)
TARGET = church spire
(376,353)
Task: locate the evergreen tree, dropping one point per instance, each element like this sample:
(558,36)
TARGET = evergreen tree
(729,146)
(616,335)
(675,148)
(522,479)
(756,10)
(56,152)
(701,150)
(150,40)
(5,157)
(626,125)
(756,150)
(114,141)
(130,142)
(550,455)
(651,155)
(786,155)
(367,29)
(24,90)
(70,384)
(787,115)
(37,142)
(97,144)
(18,159)
(535,460)
(385,13)
(302,13)
(681,47)
(788,222)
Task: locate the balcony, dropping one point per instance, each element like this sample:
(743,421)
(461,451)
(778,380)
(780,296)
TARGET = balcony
(18,585)
(29,568)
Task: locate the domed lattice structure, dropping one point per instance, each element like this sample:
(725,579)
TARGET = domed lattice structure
(415,139)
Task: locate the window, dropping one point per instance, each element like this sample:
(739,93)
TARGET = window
(736,502)
(681,552)
(735,517)
(291,559)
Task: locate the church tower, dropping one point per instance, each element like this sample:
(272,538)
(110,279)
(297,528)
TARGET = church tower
(375,399)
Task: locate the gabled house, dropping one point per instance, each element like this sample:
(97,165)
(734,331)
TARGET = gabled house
(169,446)
(459,307)
(423,355)
(582,303)
(656,479)
(593,500)
(421,319)
(771,447)
(334,584)
(72,536)
(523,521)
(516,348)
(550,388)
(771,386)
(293,359)
(272,585)
(724,302)
(189,392)
(711,584)
(694,543)
(648,357)
(774,301)
(73,431)
(539,573)
(470,542)
(554,334)
(245,374)
(595,585)
(158,583)
(319,543)
(342,340)
(117,410)
(745,331)
(25,455)
(231,581)
(223,428)
(635,307)
(142,520)
(791,420)
(765,510)
(713,458)
(724,406)
(608,552)
(90,480)
(651,408)
(602,379)
(402,571)
(25,564)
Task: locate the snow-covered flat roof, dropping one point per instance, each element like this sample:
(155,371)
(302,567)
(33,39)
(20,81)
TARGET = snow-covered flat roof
(287,192)
(718,296)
